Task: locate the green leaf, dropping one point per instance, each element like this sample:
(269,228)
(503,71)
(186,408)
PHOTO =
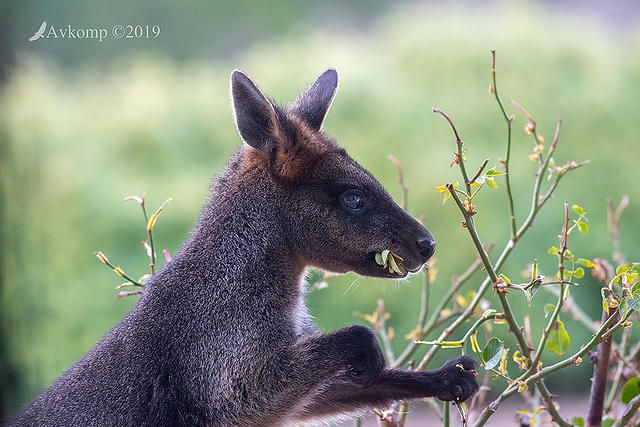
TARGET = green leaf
(577,209)
(558,341)
(621,269)
(584,228)
(548,309)
(607,422)
(493,172)
(635,288)
(532,291)
(630,390)
(396,264)
(586,263)
(505,279)
(154,217)
(492,353)
(492,183)
(443,344)
(578,421)
(379,260)
(578,273)
(553,250)
(634,303)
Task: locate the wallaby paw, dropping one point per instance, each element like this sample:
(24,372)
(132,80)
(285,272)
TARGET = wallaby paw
(458,379)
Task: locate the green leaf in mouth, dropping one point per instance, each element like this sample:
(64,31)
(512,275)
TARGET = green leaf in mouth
(391,261)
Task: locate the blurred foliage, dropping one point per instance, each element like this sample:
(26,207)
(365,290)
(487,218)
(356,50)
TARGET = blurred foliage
(74,141)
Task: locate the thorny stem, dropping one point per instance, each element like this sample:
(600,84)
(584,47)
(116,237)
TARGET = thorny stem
(551,407)
(508,314)
(459,158)
(605,331)
(508,154)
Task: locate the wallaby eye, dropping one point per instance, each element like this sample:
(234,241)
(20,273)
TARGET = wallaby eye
(353,200)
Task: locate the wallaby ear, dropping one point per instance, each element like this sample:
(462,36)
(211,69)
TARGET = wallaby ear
(255,116)
(313,104)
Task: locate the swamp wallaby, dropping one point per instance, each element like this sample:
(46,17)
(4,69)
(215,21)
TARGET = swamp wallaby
(221,336)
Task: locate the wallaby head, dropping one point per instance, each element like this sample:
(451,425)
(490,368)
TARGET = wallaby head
(335,214)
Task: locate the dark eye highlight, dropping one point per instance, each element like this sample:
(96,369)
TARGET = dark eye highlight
(352,201)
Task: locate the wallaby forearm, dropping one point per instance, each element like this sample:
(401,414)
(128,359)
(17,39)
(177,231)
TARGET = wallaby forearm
(349,368)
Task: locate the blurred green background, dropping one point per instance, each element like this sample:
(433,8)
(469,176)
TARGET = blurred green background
(84,123)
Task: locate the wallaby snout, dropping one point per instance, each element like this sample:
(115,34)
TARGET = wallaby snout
(410,240)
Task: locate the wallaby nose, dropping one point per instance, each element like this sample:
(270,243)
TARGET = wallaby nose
(426,246)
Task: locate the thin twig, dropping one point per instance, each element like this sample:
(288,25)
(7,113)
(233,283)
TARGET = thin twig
(459,155)
(405,189)
(117,270)
(613,226)
(617,377)
(508,120)
(482,166)
(632,409)
(381,326)
(551,407)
